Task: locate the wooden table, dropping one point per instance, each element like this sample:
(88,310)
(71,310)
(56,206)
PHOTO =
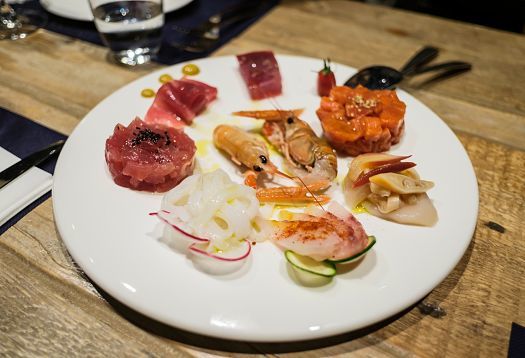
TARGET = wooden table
(49,308)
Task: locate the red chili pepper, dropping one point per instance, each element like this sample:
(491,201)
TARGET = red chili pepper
(325,79)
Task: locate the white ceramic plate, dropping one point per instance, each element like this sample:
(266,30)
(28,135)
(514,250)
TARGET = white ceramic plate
(79,9)
(110,235)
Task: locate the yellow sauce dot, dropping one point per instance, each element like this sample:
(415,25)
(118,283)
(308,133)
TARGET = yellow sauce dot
(286,215)
(165,78)
(359,209)
(214,167)
(147,93)
(191,69)
(202,147)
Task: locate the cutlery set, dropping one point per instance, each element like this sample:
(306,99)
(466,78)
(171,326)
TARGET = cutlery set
(383,77)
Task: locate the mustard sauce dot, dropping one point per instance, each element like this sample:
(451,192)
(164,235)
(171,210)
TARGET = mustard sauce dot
(359,209)
(147,93)
(191,69)
(165,78)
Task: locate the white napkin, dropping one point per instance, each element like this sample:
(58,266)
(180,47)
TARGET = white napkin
(22,191)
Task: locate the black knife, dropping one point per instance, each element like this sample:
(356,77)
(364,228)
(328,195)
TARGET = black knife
(20,167)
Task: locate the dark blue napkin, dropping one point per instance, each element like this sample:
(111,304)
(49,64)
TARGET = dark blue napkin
(517,341)
(22,137)
(189,16)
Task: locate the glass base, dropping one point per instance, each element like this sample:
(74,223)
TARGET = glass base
(134,57)
(20,25)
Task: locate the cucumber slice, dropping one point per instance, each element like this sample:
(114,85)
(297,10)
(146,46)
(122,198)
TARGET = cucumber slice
(371,242)
(305,263)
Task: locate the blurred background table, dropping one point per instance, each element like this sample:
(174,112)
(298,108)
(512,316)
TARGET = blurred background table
(49,308)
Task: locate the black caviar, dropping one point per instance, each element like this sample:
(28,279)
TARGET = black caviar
(147,135)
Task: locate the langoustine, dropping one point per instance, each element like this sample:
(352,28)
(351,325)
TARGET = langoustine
(308,156)
(245,149)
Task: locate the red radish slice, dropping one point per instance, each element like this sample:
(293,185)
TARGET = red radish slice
(387,168)
(188,235)
(197,250)
(212,263)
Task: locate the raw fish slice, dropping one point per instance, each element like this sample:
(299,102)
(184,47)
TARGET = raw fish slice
(260,72)
(178,102)
(210,92)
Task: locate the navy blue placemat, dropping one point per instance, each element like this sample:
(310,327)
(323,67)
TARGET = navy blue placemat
(22,137)
(189,16)
(517,341)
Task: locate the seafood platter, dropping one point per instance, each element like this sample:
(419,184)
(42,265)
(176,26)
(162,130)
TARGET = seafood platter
(251,197)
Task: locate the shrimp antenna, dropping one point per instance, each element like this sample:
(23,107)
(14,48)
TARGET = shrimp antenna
(274,103)
(312,194)
(294,178)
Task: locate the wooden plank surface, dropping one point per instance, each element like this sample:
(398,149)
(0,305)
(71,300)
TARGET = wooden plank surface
(49,308)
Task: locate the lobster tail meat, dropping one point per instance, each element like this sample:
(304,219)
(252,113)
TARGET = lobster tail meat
(260,72)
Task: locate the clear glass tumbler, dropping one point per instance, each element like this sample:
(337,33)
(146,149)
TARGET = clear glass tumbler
(131,29)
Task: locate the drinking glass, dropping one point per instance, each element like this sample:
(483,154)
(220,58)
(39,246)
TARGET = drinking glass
(132,29)
(18,24)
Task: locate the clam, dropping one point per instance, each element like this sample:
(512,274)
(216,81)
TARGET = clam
(364,162)
(401,184)
(389,188)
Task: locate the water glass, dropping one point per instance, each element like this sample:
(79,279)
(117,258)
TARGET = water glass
(131,29)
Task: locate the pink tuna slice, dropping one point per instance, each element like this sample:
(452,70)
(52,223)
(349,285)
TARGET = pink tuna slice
(260,72)
(178,102)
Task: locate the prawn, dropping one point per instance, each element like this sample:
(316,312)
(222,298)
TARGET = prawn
(309,157)
(245,149)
